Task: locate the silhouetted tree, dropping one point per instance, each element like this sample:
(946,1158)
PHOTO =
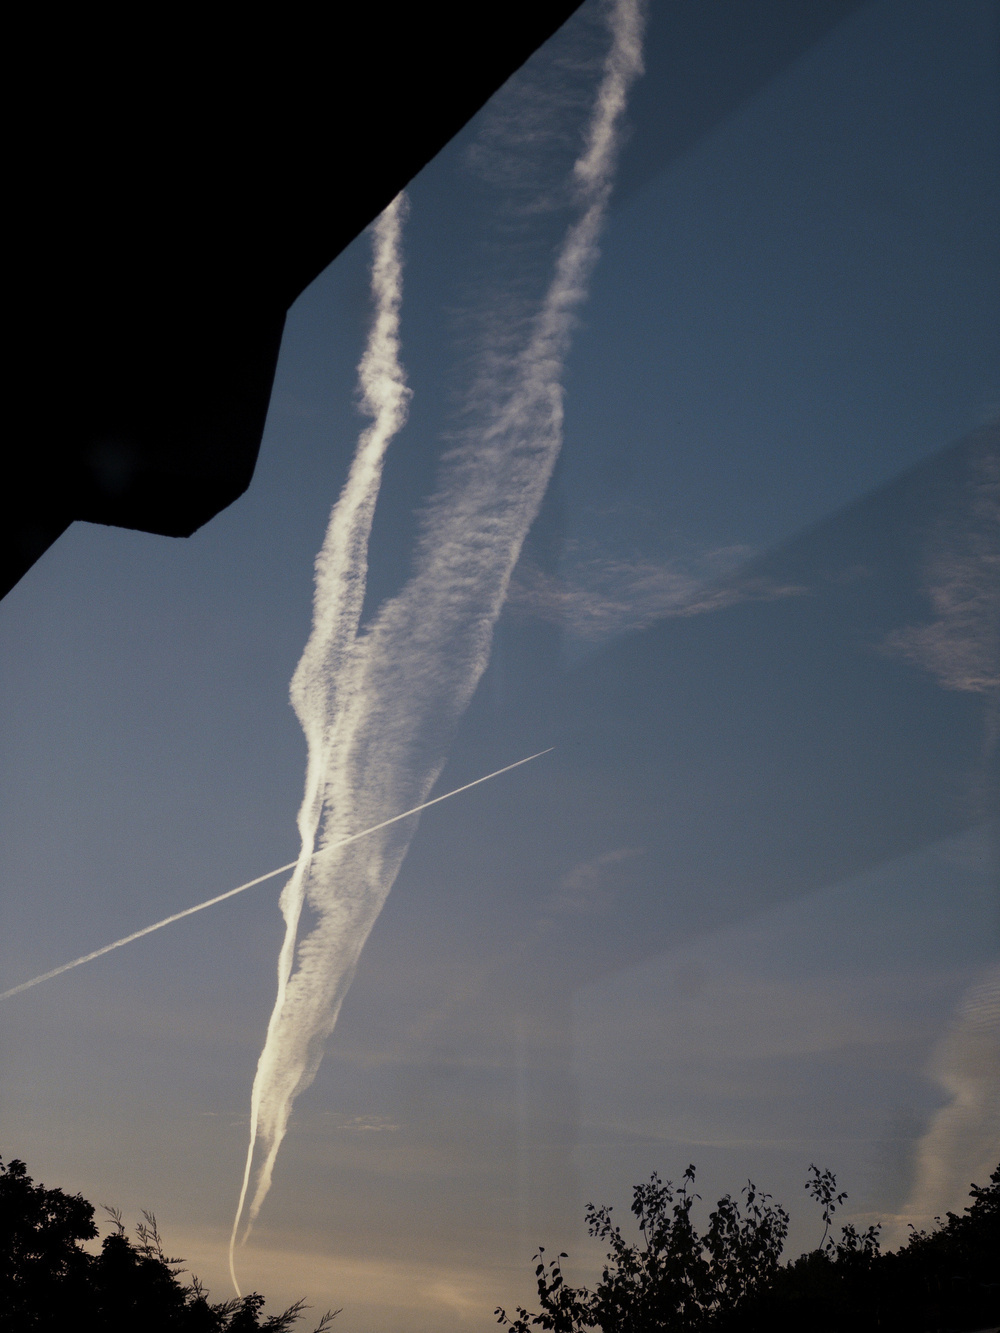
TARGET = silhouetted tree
(48,1281)
(941,1281)
(673,1278)
(731,1280)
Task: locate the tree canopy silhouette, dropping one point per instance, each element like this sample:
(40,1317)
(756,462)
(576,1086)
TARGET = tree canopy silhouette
(48,1281)
(730,1278)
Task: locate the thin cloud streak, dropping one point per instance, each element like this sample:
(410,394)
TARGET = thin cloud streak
(379,707)
(599,595)
(146,930)
(261,879)
(960,646)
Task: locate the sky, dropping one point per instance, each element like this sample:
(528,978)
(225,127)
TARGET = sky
(745,914)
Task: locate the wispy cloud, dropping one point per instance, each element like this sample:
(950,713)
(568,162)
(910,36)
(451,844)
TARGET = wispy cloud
(379,707)
(366,1124)
(961,1144)
(597,595)
(960,645)
(586,888)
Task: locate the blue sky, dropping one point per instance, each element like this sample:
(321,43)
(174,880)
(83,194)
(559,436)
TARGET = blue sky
(732,919)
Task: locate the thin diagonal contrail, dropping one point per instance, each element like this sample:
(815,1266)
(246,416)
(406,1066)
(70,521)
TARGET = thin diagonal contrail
(251,883)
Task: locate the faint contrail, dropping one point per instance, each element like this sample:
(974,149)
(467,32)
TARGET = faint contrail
(251,883)
(379,707)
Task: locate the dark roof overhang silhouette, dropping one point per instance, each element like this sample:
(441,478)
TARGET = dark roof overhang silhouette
(179,175)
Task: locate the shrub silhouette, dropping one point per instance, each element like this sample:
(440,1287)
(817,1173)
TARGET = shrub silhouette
(731,1280)
(48,1281)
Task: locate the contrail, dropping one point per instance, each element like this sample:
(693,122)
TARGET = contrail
(380,706)
(252,883)
(323,684)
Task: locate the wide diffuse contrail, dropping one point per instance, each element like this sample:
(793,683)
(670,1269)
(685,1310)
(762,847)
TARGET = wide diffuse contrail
(252,883)
(379,706)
